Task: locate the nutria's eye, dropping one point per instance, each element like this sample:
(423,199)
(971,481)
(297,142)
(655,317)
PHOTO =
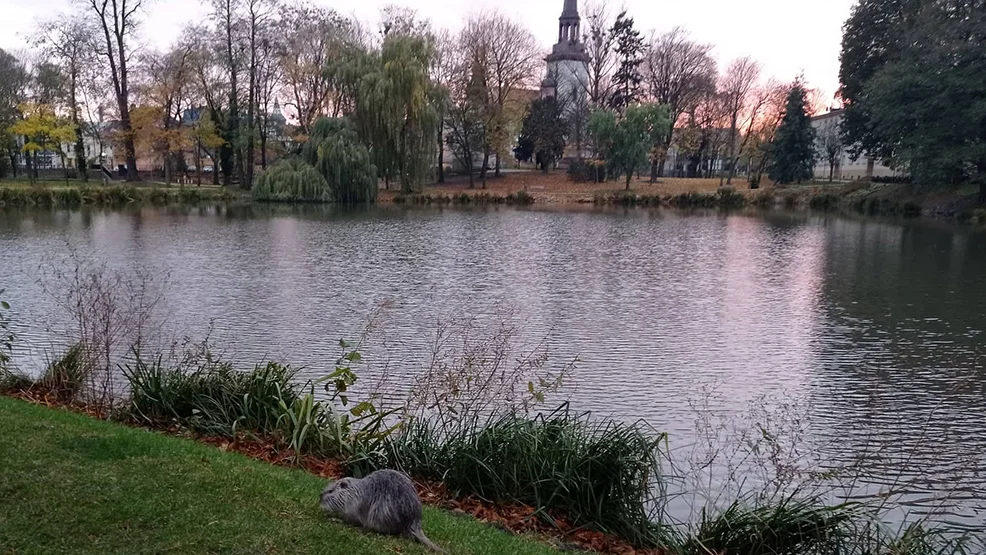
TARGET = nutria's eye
(342,485)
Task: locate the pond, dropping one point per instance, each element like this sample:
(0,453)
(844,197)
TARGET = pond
(861,341)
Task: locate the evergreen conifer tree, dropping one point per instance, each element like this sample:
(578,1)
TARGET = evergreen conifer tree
(794,145)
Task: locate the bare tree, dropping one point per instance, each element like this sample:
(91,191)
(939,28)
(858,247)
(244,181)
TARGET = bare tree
(760,133)
(167,89)
(268,82)
(599,42)
(315,41)
(445,74)
(511,57)
(228,28)
(209,89)
(678,72)
(736,86)
(259,16)
(118,21)
(67,41)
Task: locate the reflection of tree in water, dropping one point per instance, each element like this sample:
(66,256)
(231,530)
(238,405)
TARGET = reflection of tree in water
(901,379)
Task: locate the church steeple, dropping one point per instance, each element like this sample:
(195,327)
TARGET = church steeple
(569,23)
(567,70)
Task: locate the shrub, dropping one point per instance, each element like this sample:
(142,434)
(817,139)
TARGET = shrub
(602,474)
(729,198)
(825,202)
(588,171)
(210,396)
(893,179)
(520,197)
(66,378)
(764,199)
(790,527)
(291,180)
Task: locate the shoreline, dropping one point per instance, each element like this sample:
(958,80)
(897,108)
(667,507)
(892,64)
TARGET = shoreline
(552,190)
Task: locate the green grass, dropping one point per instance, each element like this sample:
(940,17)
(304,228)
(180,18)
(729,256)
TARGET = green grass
(71,484)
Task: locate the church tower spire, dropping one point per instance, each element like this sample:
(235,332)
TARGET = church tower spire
(567,70)
(569,23)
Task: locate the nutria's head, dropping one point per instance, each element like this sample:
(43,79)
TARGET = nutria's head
(337,495)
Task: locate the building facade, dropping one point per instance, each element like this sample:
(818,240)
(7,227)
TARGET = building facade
(845,169)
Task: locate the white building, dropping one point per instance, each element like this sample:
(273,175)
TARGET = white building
(846,169)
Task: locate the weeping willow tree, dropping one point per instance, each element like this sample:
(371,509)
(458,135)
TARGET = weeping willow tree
(395,113)
(334,166)
(346,165)
(291,180)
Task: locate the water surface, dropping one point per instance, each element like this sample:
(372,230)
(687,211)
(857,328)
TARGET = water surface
(863,337)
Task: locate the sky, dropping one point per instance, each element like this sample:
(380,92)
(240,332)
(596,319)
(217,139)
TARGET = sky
(789,37)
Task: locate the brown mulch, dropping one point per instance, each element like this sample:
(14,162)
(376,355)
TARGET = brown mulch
(511,517)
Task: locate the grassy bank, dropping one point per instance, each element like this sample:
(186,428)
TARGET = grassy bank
(71,484)
(58,195)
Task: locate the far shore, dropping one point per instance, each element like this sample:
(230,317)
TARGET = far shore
(554,189)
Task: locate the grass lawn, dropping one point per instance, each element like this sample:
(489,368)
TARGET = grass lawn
(71,484)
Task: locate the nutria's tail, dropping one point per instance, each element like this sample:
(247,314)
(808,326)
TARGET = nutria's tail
(418,534)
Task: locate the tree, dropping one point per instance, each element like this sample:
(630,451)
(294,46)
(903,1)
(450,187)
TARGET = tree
(829,148)
(226,14)
(508,54)
(13,83)
(117,19)
(599,41)
(335,150)
(268,82)
(678,72)
(209,89)
(873,37)
(317,42)
(167,92)
(467,109)
(925,107)
(543,135)
(736,87)
(629,48)
(395,114)
(760,136)
(794,146)
(626,140)
(68,41)
(259,18)
(44,131)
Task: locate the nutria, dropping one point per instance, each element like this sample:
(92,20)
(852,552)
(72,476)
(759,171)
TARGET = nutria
(384,502)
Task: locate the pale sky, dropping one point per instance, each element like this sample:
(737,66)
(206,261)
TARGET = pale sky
(788,37)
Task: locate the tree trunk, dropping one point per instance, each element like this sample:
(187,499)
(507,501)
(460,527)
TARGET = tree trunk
(497,172)
(263,149)
(441,153)
(732,148)
(81,164)
(831,171)
(982,192)
(629,177)
(198,163)
(167,168)
(486,163)
(251,100)
(653,171)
